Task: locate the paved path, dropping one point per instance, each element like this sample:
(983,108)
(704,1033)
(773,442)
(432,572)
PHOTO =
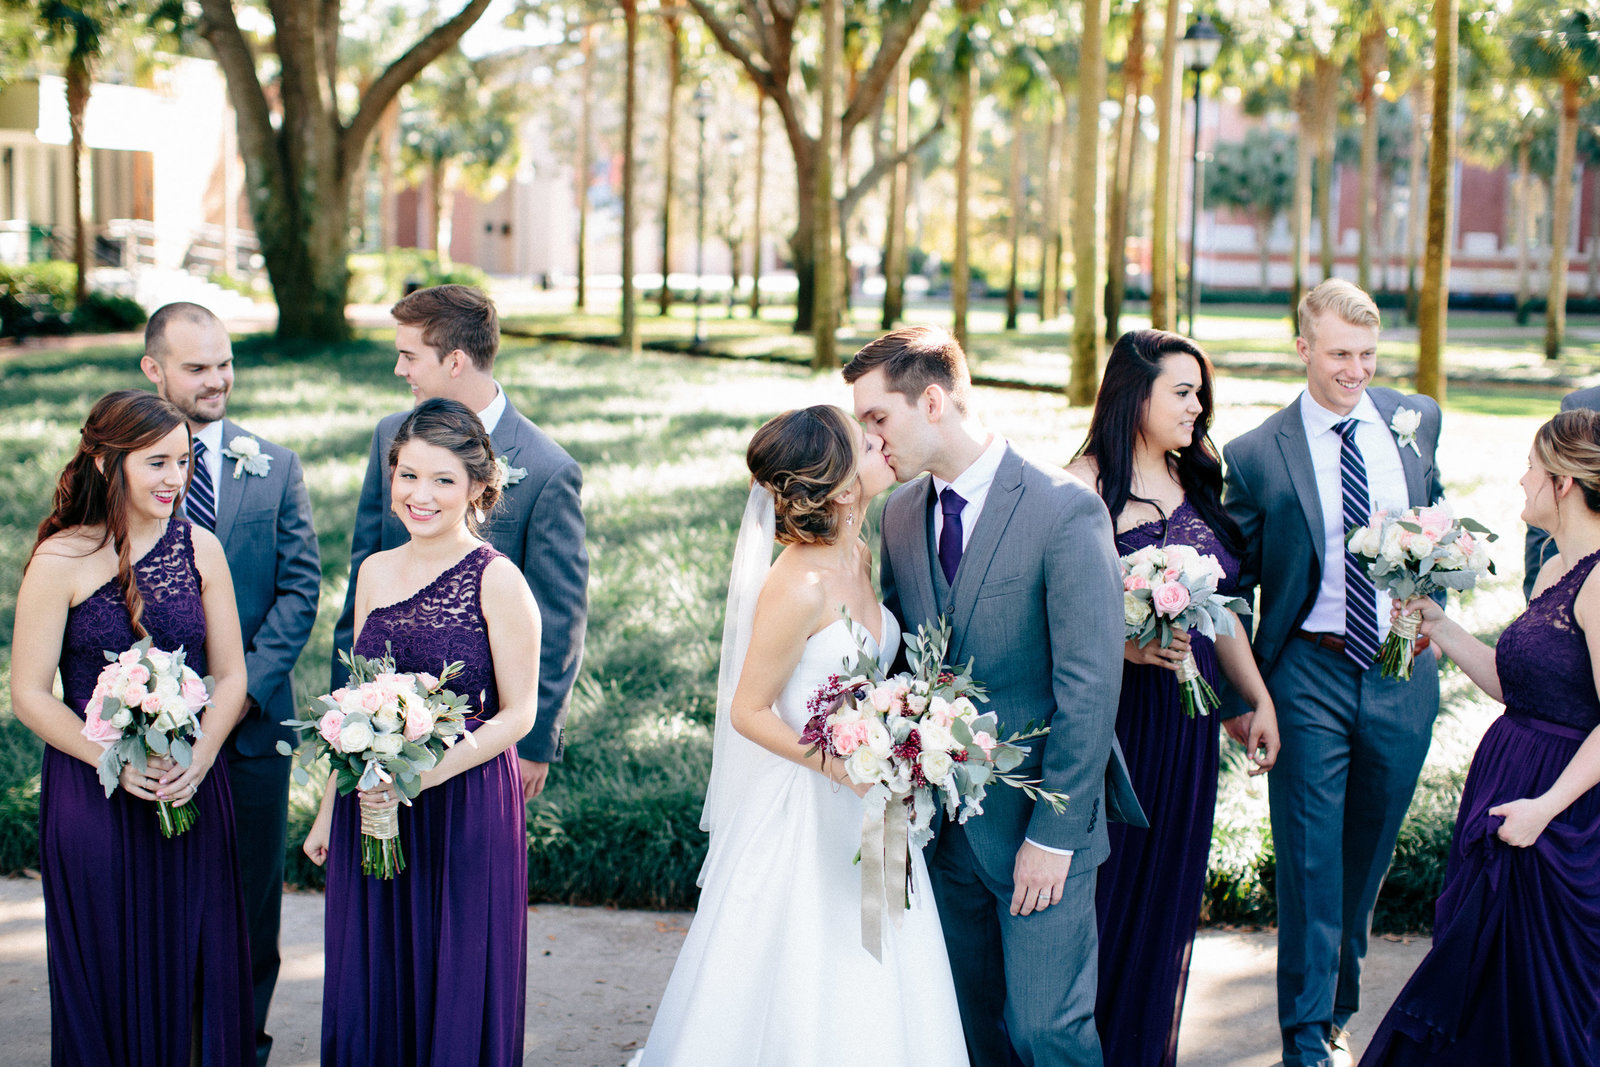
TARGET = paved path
(594,976)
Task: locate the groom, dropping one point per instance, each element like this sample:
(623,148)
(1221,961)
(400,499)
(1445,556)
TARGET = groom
(1020,559)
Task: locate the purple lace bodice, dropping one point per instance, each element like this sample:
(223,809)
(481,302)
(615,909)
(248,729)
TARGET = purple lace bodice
(1184,527)
(1543,657)
(439,624)
(174,615)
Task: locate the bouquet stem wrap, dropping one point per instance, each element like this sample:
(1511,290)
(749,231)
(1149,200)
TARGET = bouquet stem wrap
(1400,647)
(1195,694)
(381,854)
(885,868)
(174,820)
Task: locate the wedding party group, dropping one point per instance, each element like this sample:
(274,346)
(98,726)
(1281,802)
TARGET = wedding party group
(964,765)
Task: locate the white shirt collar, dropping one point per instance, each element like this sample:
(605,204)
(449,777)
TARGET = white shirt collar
(1319,420)
(211,437)
(490,416)
(976,479)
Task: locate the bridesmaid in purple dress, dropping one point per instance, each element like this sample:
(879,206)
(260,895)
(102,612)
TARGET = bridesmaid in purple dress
(430,968)
(149,960)
(1514,973)
(1149,456)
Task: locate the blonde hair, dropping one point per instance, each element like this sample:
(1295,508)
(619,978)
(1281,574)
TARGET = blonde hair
(1348,302)
(808,459)
(1568,446)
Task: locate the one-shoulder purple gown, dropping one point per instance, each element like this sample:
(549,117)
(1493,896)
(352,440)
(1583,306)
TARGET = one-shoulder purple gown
(1150,889)
(144,933)
(1514,973)
(430,968)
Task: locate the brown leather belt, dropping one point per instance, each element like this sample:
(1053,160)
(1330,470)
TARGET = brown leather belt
(1331,642)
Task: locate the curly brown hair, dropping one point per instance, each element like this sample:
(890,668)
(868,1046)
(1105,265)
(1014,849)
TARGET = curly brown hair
(808,458)
(454,427)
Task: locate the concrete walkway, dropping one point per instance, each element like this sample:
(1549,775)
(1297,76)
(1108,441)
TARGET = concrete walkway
(595,975)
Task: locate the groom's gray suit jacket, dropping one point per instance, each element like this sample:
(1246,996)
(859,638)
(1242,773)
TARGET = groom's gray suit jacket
(538,524)
(1037,606)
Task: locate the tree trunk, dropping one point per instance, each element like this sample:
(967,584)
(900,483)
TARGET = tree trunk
(1300,224)
(755,226)
(585,120)
(669,165)
(1263,236)
(1593,290)
(629,339)
(1414,202)
(80,80)
(1087,208)
(1163,224)
(1374,58)
(1328,128)
(1555,315)
(1019,206)
(1524,229)
(894,238)
(960,269)
(1050,231)
(1441,165)
(825,287)
(1120,195)
(388,142)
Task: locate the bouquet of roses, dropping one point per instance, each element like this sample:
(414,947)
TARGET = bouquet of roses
(1170,588)
(1419,552)
(919,740)
(382,727)
(147,702)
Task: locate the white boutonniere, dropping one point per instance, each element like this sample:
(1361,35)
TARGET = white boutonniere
(1404,425)
(247,457)
(509,475)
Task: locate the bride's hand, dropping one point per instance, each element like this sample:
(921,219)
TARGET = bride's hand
(1153,655)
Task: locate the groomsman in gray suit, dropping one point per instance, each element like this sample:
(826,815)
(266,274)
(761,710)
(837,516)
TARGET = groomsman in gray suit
(1540,546)
(250,492)
(1020,559)
(446,340)
(1353,741)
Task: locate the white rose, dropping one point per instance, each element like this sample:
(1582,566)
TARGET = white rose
(122,718)
(1368,541)
(351,703)
(878,739)
(935,738)
(356,736)
(964,708)
(1453,559)
(936,765)
(1134,610)
(246,447)
(387,744)
(160,661)
(1480,558)
(1406,421)
(1391,549)
(166,687)
(164,724)
(1421,546)
(864,765)
(387,718)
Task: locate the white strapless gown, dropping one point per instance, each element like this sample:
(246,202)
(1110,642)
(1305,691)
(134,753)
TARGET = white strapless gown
(772,971)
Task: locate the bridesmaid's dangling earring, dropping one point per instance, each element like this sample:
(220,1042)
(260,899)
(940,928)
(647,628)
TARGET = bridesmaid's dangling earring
(850,517)
(477,513)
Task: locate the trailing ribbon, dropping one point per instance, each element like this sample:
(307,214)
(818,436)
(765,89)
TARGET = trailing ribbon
(885,856)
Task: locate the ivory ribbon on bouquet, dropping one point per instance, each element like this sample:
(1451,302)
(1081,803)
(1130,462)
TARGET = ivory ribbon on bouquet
(885,850)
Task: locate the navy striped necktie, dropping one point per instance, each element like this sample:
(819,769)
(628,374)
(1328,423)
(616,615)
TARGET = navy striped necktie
(1360,595)
(201,503)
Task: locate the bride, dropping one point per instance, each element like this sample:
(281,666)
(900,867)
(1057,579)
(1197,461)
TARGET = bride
(773,971)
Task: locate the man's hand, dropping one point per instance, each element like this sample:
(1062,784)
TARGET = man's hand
(1239,726)
(1039,877)
(533,777)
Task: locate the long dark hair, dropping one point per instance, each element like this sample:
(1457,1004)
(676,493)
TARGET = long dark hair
(454,427)
(93,487)
(808,458)
(1118,420)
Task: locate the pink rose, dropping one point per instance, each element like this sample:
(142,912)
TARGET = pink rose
(194,694)
(1170,599)
(849,736)
(129,658)
(132,695)
(426,682)
(1134,581)
(1466,542)
(97,729)
(881,697)
(419,722)
(328,725)
(983,740)
(151,704)
(1434,521)
(371,697)
(138,674)
(1172,574)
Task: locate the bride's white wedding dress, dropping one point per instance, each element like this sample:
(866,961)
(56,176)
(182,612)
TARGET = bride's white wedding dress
(772,971)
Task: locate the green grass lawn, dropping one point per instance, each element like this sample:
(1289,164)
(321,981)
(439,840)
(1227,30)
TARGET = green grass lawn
(661,441)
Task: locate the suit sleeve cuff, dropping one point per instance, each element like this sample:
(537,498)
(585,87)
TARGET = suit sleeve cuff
(1047,848)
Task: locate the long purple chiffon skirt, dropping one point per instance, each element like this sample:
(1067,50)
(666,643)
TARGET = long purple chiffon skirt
(1150,889)
(1514,973)
(430,968)
(145,934)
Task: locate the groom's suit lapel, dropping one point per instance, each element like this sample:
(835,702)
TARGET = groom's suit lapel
(1004,495)
(917,574)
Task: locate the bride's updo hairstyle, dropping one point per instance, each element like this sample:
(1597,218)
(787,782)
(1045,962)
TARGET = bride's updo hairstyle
(93,487)
(452,426)
(1569,446)
(807,458)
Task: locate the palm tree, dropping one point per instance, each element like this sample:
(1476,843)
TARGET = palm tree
(1129,137)
(1372,60)
(966,73)
(629,326)
(1087,205)
(1164,215)
(674,26)
(825,257)
(1434,300)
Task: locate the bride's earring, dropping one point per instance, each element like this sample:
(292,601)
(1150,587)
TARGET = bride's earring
(850,517)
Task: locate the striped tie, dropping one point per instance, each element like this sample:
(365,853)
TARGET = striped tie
(1360,595)
(201,503)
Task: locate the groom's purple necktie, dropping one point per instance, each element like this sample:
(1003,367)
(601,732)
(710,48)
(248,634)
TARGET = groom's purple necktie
(950,503)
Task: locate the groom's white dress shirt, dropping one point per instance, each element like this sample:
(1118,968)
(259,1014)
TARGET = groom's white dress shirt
(972,485)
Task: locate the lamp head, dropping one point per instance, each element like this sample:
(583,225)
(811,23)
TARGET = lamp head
(1201,45)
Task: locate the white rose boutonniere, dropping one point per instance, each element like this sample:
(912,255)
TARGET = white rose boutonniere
(1405,424)
(509,475)
(247,457)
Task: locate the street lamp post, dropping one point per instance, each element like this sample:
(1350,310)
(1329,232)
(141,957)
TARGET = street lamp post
(735,144)
(1200,48)
(702,109)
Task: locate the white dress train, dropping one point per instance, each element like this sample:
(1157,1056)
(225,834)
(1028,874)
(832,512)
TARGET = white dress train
(772,971)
